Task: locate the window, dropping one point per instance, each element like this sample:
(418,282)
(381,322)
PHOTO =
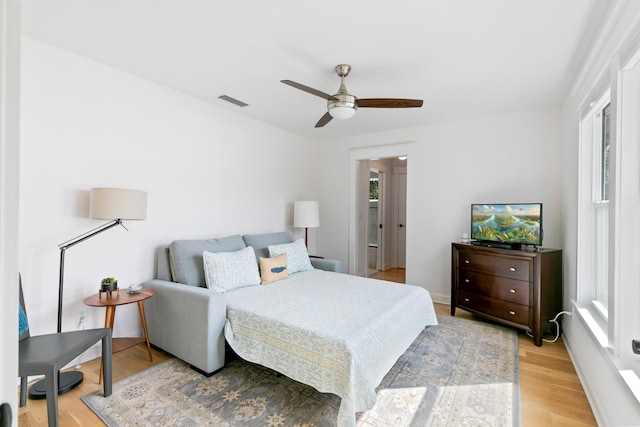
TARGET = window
(595,191)
(373,189)
(374,186)
(608,278)
(602,146)
(609,208)
(605,149)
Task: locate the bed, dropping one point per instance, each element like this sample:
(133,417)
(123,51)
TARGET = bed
(337,333)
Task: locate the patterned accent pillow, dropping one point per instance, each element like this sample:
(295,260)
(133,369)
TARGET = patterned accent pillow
(297,255)
(225,271)
(272,269)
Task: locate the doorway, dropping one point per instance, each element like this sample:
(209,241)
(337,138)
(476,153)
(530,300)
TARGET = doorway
(382,163)
(382,198)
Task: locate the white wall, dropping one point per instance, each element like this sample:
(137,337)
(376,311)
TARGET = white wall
(501,159)
(209,172)
(9,174)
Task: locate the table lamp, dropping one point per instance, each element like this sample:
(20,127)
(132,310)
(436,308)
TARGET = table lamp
(116,205)
(306,214)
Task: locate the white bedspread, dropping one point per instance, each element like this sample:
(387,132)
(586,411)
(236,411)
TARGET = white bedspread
(335,332)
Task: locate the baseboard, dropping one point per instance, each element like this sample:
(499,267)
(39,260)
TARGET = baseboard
(585,385)
(441,298)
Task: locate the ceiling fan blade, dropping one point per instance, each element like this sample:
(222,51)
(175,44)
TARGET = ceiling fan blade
(389,103)
(308,89)
(324,120)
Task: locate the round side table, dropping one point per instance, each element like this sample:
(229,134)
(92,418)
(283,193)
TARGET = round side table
(111,300)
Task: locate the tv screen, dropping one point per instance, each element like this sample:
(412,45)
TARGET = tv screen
(509,224)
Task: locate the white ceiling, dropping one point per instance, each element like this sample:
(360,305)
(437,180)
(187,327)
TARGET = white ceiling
(465,58)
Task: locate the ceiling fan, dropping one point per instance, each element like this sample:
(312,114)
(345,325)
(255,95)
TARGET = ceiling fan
(343,105)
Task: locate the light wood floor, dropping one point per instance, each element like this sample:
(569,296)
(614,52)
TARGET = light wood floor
(550,392)
(393,275)
(72,411)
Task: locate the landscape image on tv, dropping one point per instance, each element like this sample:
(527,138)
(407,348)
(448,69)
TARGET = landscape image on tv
(519,224)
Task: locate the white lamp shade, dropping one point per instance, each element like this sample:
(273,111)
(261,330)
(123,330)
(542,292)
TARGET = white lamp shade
(306,214)
(342,113)
(117,203)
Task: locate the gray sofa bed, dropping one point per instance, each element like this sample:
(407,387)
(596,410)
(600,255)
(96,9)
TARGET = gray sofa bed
(185,318)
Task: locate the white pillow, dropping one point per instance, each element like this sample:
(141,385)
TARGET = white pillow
(297,255)
(224,271)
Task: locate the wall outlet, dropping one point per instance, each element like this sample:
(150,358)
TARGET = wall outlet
(81,317)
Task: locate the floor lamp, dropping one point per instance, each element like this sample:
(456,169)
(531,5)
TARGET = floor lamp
(306,214)
(116,205)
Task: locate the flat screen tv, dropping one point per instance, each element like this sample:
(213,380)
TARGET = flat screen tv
(508,225)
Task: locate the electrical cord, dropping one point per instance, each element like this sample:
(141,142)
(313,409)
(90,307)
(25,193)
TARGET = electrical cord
(554,320)
(80,323)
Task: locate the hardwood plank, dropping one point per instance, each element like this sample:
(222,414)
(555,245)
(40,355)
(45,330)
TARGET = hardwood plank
(392,275)
(119,344)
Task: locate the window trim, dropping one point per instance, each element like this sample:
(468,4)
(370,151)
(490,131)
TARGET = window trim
(590,203)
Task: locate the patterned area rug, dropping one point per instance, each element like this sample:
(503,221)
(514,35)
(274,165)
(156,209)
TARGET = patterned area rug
(459,373)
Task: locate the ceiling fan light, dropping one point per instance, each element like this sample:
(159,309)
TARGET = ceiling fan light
(342,113)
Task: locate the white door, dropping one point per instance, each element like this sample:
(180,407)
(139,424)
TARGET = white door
(402,220)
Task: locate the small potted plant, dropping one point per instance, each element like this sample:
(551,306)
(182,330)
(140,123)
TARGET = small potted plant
(108,284)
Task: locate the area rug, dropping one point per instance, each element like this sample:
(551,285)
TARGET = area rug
(459,373)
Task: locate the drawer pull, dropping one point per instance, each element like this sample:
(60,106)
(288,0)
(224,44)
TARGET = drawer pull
(466,300)
(466,280)
(513,291)
(512,269)
(466,261)
(511,312)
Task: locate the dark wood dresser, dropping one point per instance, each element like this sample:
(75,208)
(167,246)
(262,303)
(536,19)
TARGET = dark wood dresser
(518,288)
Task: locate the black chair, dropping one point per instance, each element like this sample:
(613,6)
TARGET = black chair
(47,354)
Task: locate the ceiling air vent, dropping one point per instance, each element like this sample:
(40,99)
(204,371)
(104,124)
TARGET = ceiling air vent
(233,101)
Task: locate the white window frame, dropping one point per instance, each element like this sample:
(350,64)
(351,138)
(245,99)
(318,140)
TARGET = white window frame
(592,207)
(600,207)
(621,73)
(615,323)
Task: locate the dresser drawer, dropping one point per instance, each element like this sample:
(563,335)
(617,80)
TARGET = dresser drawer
(510,267)
(511,290)
(515,313)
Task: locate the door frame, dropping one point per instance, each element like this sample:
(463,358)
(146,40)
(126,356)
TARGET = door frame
(397,171)
(9,200)
(382,219)
(382,151)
